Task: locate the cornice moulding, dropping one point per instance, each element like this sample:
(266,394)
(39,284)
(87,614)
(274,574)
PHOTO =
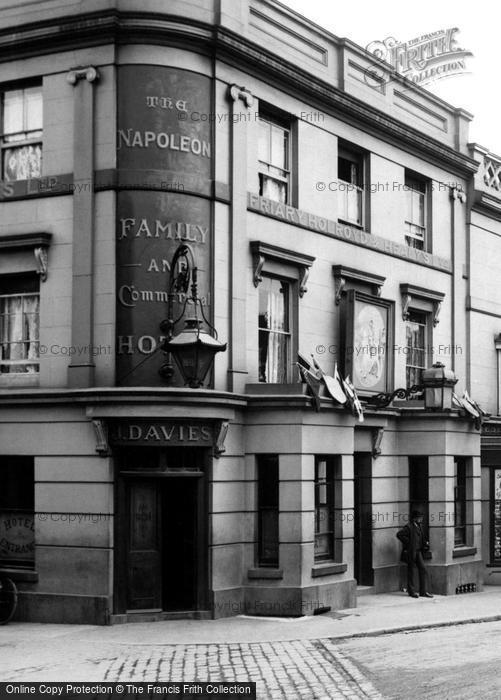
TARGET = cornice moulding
(99,28)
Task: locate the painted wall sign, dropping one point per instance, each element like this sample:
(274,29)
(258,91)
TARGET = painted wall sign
(156,143)
(150,227)
(17,537)
(156,140)
(162,433)
(335,229)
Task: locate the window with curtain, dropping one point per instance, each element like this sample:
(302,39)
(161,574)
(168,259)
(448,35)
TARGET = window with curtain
(274,160)
(416,192)
(21,137)
(418,342)
(274,331)
(19,324)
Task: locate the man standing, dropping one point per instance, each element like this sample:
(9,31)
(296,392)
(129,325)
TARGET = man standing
(413,539)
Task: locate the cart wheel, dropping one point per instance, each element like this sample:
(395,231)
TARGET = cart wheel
(8,599)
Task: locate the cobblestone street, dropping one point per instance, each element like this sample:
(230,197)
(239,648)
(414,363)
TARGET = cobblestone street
(314,658)
(301,669)
(305,669)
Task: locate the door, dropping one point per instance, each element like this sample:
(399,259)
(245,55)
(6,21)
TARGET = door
(161,530)
(144,561)
(364,572)
(163,547)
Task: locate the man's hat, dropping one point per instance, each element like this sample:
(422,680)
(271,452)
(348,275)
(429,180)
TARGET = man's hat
(416,514)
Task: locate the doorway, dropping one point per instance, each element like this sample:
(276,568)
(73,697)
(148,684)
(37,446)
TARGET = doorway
(162,511)
(363,568)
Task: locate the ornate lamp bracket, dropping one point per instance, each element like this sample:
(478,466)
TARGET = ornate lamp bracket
(385,399)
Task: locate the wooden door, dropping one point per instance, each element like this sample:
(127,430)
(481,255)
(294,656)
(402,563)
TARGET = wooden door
(144,565)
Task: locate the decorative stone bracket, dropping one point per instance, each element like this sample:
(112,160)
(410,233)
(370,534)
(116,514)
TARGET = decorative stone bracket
(38,242)
(88,73)
(220,433)
(342,274)
(410,292)
(42,260)
(240,93)
(262,252)
(377,438)
(101,431)
(458,193)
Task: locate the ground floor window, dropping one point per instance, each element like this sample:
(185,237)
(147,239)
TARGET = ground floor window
(459,501)
(496,516)
(17,537)
(326,474)
(268,510)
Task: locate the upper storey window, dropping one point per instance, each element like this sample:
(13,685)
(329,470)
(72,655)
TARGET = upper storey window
(19,324)
(274,159)
(417,192)
(350,169)
(21,136)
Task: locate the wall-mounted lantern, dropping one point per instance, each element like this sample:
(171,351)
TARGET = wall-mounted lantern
(193,349)
(439,384)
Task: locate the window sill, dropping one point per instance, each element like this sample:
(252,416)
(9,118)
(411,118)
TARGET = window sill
(359,227)
(265,573)
(294,388)
(28,575)
(19,379)
(463,552)
(328,569)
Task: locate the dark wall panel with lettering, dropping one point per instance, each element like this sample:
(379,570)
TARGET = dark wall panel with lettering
(164,165)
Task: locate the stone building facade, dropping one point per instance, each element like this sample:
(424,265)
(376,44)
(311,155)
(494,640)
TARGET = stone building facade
(328,215)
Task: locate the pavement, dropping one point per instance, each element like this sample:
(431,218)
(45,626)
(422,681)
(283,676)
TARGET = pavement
(287,657)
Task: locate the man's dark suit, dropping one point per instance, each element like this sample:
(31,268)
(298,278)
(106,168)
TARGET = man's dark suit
(414,541)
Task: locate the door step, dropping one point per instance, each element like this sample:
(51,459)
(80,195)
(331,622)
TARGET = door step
(365,590)
(146,616)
